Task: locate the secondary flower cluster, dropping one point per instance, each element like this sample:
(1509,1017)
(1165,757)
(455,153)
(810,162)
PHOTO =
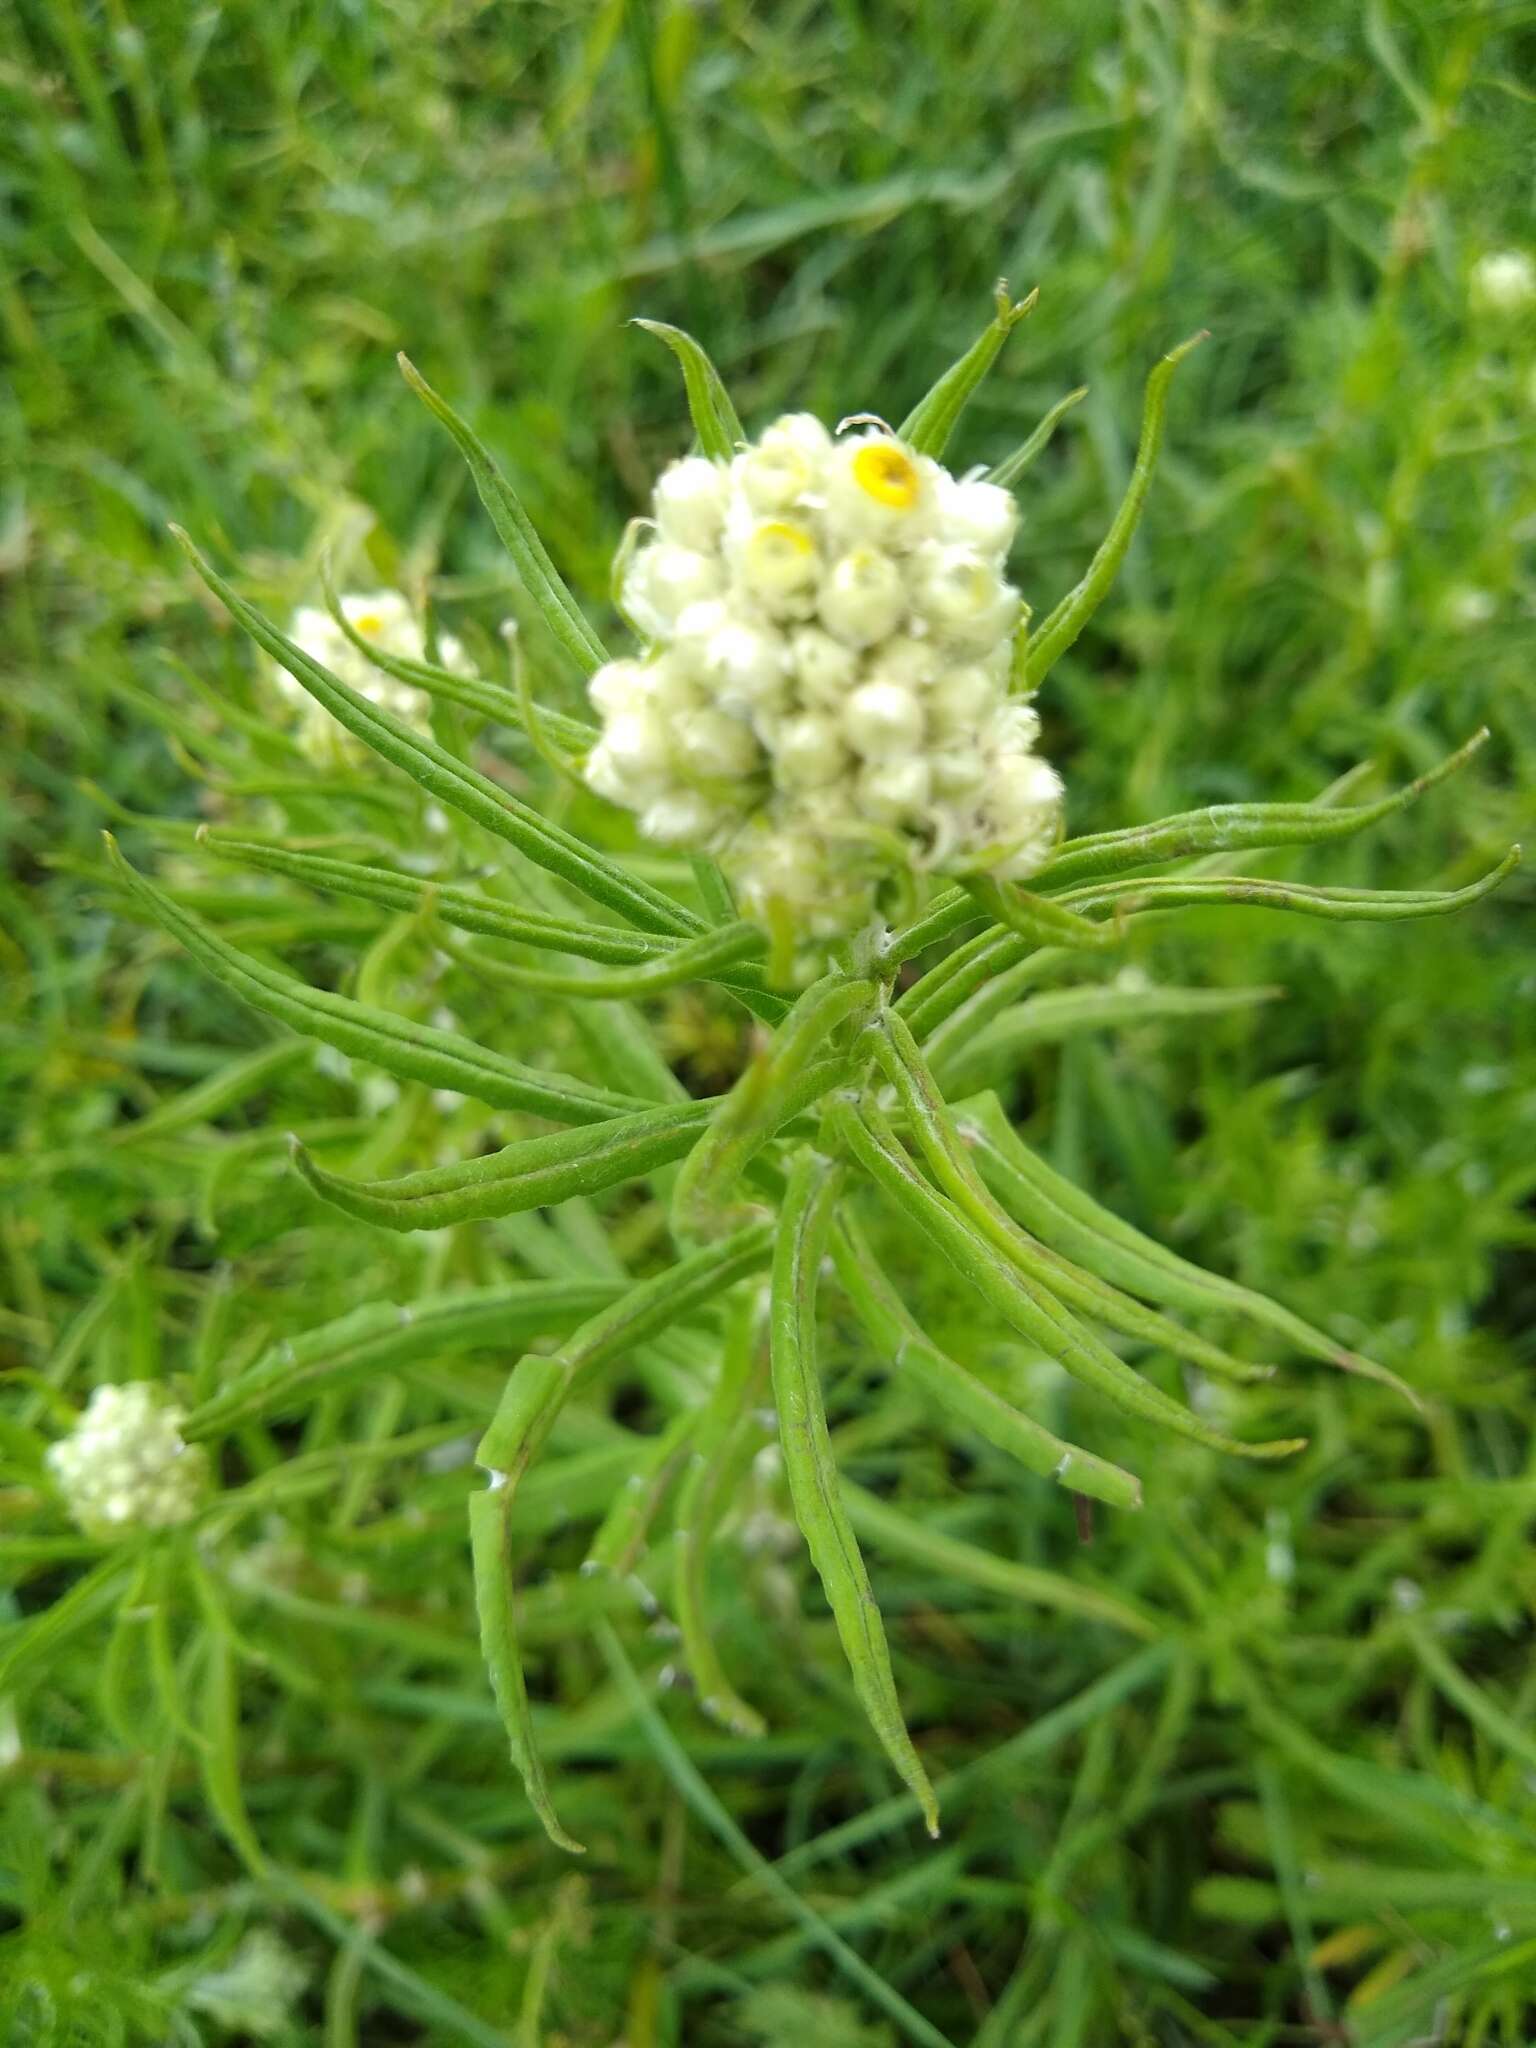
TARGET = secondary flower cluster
(126,1466)
(824,695)
(385,620)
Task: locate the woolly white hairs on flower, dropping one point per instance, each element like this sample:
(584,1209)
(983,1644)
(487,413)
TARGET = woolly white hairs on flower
(126,1466)
(385,620)
(824,692)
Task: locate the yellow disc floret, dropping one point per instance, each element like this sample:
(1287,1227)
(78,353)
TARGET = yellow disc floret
(888,474)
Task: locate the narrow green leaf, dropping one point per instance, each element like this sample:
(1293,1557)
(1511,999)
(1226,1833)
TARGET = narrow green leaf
(908,1349)
(1369,906)
(532,1173)
(1028,1308)
(219,1752)
(38,1635)
(701,959)
(1058,1211)
(1012,467)
(384,1336)
(467,909)
(709,403)
(1035,918)
(540,577)
(539,1385)
(746,1118)
(956,1561)
(933,1125)
(463,788)
(932,420)
(1079,605)
(811,1470)
(622,1533)
(410,1051)
(490,1552)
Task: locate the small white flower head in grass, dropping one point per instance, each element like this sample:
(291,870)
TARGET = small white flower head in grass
(383,619)
(125,1466)
(822,701)
(1503,283)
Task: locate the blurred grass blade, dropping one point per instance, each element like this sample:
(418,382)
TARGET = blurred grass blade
(40,1635)
(540,577)
(969,1400)
(402,1047)
(622,1533)
(451,781)
(1069,618)
(927,428)
(1058,1211)
(709,403)
(758,1104)
(1028,1308)
(532,1173)
(383,1337)
(219,1753)
(490,1553)
(1012,467)
(804,1224)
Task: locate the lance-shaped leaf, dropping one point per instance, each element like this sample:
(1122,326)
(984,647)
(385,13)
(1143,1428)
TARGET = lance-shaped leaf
(442,775)
(932,1124)
(909,1349)
(729,1436)
(1228,828)
(804,1224)
(746,1118)
(533,1173)
(540,577)
(1260,892)
(1036,919)
(467,909)
(1026,1306)
(384,1336)
(1079,605)
(932,420)
(1059,1211)
(472,693)
(1012,467)
(536,1390)
(703,959)
(402,1047)
(975,1058)
(709,403)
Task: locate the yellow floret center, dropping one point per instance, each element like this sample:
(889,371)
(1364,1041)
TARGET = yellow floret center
(776,537)
(370,622)
(887,474)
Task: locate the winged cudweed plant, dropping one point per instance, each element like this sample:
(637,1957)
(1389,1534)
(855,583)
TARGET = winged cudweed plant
(829,712)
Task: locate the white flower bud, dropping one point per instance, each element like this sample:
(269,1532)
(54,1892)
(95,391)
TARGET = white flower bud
(891,792)
(883,720)
(878,491)
(618,686)
(779,566)
(662,581)
(745,667)
(125,1465)
(963,596)
(809,752)
(823,667)
(960,700)
(912,662)
(714,746)
(684,817)
(1023,806)
(862,599)
(978,515)
(1503,282)
(785,465)
(690,500)
(959,775)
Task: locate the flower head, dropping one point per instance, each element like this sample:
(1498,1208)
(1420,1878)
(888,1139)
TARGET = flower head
(125,1465)
(823,697)
(385,620)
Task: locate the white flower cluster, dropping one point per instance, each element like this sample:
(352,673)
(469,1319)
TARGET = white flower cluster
(1503,282)
(824,696)
(126,1466)
(386,621)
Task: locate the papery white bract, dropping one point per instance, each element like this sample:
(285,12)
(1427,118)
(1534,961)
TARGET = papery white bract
(824,693)
(125,1466)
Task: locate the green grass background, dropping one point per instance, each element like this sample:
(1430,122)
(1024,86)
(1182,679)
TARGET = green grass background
(1290,1794)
